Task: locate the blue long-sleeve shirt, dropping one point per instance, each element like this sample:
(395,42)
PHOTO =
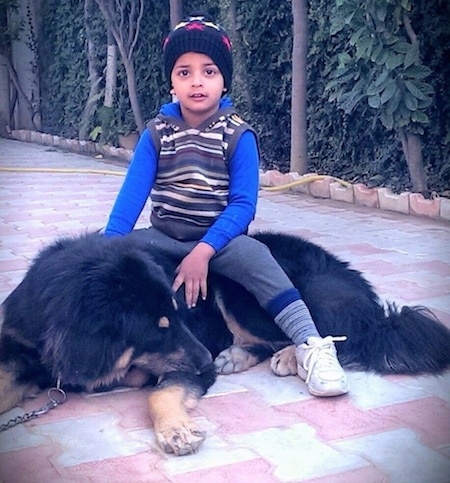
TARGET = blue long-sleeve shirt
(243,187)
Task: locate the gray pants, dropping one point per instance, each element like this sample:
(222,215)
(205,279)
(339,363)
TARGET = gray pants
(244,260)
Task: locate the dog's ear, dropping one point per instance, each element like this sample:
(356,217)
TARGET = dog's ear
(79,356)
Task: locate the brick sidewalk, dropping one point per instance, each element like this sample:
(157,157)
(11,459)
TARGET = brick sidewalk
(260,428)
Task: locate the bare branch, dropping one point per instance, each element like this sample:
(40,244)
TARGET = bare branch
(409,30)
(138,25)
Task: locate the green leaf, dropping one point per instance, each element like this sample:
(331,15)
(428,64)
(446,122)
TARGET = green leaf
(332,84)
(382,77)
(349,17)
(381,59)
(336,27)
(373,89)
(403,122)
(344,58)
(387,119)
(377,89)
(415,90)
(376,51)
(388,91)
(381,12)
(411,57)
(419,116)
(363,46)
(401,47)
(410,101)
(406,4)
(95,133)
(351,102)
(394,101)
(417,72)
(374,101)
(355,37)
(393,60)
(425,104)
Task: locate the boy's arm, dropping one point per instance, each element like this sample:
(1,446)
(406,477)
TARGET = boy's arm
(243,194)
(135,189)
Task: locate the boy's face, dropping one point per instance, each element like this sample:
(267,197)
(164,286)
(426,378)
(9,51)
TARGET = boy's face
(198,84)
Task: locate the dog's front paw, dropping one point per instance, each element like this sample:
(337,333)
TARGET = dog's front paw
(180,440)
(284,362)
(234,359)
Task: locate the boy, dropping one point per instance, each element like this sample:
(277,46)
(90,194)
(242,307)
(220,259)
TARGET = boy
(199,163)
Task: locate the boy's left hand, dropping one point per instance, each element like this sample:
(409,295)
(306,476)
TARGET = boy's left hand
(193,273)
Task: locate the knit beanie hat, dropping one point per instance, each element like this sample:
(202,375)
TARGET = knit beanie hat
(199,34)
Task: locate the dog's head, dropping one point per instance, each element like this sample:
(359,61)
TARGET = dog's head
(113,308)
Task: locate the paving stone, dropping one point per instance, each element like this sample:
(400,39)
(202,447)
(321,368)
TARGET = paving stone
(259,427)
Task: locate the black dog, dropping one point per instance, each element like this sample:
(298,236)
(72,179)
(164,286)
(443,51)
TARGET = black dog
(94,313)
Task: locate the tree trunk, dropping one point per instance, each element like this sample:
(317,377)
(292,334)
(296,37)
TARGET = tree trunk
(241,78)
(299,146)
(94,78)
(176,12)
(5,105)
(126,38)
(132,92)
(111,71)
(24,64)
(412,149)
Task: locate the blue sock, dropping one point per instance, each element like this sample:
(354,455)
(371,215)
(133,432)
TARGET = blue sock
(293,317)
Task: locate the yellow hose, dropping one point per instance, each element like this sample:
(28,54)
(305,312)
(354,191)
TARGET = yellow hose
(298,182)
(306,179)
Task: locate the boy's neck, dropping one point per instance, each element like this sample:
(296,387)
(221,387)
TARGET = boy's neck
(194,119)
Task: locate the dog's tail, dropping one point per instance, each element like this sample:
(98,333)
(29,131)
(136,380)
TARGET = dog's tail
(410,340)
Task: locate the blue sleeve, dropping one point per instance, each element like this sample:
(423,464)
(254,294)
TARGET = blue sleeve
(135,189)
(243,194)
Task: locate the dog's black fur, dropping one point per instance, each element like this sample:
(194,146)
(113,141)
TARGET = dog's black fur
(96,313)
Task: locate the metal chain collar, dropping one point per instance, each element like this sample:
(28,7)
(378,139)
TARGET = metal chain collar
(56,397)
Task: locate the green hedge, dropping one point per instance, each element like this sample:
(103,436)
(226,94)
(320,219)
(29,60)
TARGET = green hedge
(353,147)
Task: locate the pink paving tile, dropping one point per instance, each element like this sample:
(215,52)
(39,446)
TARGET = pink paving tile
(15,215)
(337,418)
(131,405)
(23,466)
(444,317)
(359,475)
(42,231)
(8,228)
(256,470)
(429,417)
(364,249)
(411,291)
(13,264)
(235,413)
(141,467)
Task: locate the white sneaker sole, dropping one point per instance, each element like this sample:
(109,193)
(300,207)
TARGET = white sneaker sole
(330,391)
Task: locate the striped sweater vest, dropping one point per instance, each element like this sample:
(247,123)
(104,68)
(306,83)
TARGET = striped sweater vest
(191,187)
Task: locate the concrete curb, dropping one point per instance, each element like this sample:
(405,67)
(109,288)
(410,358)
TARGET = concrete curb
(328,188)
(359,194)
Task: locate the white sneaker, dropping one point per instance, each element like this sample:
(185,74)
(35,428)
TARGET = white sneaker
(318,366)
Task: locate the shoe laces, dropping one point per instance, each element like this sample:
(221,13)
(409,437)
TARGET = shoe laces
(324,351)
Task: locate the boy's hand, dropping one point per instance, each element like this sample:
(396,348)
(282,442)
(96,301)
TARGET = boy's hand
(193,273)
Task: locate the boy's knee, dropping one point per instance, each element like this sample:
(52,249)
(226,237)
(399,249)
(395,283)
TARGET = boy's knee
(245,246)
